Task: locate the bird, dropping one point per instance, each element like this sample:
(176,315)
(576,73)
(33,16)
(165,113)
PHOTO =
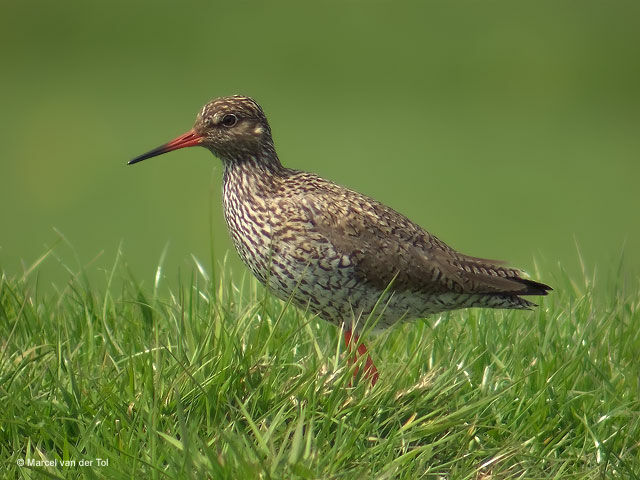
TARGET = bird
(330,250)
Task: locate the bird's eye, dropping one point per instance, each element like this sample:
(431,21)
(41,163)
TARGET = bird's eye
(229,120)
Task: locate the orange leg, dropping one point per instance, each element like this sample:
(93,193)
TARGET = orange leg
(370,370)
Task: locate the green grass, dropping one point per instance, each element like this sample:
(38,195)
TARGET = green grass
(215,379)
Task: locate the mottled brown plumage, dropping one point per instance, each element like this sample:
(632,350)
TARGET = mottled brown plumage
(330,249)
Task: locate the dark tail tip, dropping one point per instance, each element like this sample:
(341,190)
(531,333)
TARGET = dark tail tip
(533,287)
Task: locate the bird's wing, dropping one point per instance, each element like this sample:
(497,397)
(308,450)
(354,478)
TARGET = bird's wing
(384,246)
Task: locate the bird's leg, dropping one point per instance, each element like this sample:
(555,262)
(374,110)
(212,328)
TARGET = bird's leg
(370,370)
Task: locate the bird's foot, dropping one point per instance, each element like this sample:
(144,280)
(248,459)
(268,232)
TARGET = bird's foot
(370,370)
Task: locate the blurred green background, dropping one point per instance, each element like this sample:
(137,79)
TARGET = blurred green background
(509,129)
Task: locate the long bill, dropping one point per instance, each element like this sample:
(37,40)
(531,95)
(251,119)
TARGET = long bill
(189,139)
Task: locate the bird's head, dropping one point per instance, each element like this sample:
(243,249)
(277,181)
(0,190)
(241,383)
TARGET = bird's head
(233,128)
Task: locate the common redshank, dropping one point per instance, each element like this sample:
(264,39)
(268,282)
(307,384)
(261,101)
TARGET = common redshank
(329,249)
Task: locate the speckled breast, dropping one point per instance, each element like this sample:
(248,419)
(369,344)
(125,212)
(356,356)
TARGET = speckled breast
(288,256)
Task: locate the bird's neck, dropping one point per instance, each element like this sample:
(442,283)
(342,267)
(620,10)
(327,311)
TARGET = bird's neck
(252,171)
